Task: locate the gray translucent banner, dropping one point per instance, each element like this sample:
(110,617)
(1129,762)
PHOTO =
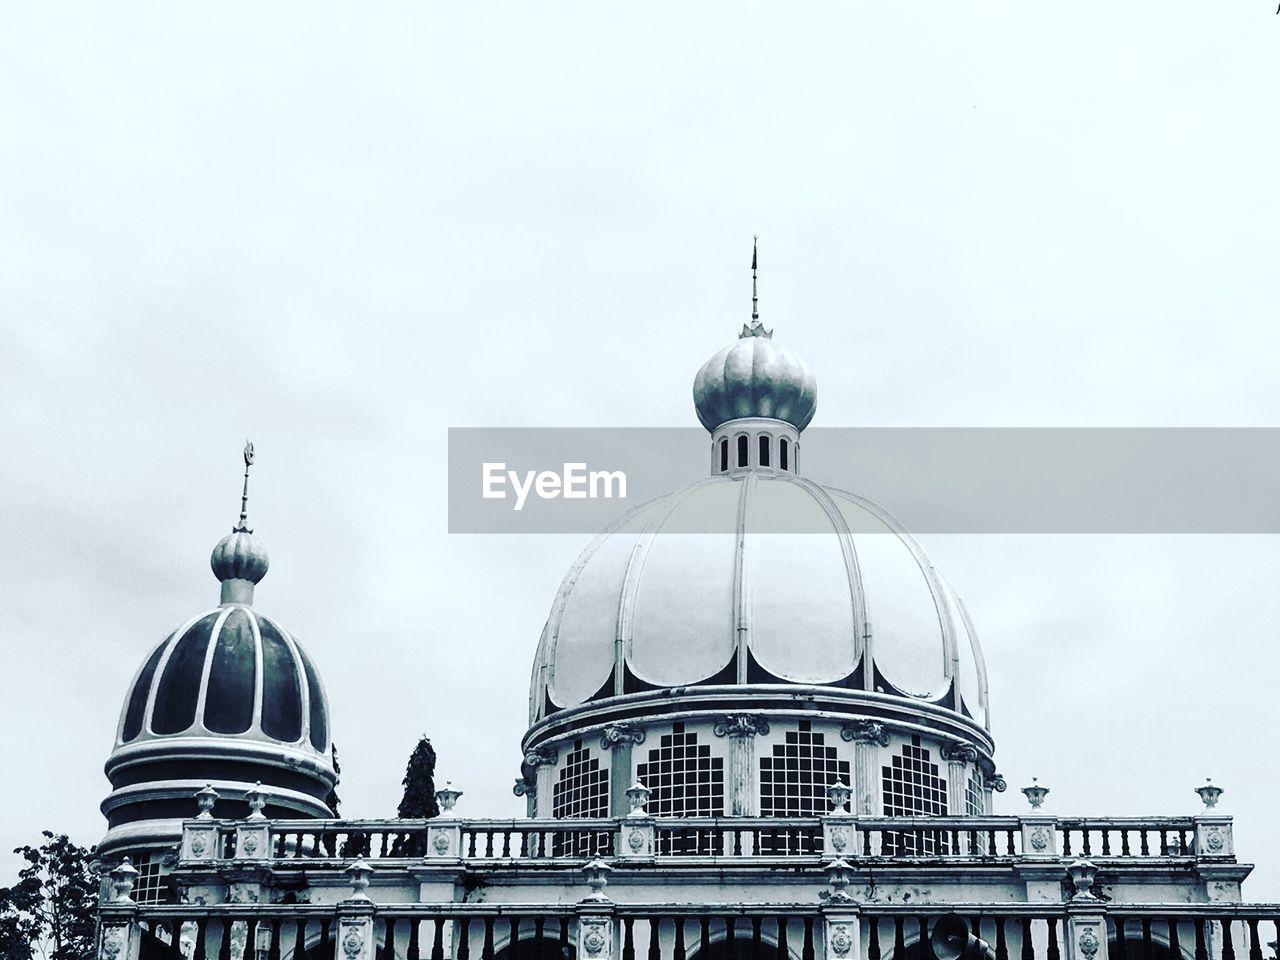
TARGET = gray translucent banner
(535,480)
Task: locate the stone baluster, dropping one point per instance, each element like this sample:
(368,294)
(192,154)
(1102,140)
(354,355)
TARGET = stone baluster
(742,730)
(869,738)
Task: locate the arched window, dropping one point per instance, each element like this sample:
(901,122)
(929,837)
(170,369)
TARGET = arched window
(742,451)
(724,454)
(764,450)
(782,453)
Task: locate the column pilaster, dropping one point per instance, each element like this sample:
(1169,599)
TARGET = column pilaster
(742,730)
(869,738)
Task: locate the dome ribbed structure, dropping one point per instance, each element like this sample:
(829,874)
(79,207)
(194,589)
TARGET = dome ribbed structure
(231,699)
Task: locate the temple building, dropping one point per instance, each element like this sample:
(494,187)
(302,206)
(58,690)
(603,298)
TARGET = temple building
(748,743)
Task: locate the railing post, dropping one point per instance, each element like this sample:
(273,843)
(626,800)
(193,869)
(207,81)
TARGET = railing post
(1086,918)
(444,839)
(355,930)
(596,933)
(839,835)
(841,923)
(118,933)
(635,830)
(1214,839)
(1039,837)
(253,835)
(200,836)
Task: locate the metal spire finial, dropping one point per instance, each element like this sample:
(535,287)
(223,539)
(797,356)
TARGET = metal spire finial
(756,329)
(243,525)
(755,293)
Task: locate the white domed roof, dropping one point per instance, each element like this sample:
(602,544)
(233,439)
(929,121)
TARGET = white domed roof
(856,604)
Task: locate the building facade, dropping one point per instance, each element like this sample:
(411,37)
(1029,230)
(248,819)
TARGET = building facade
(750,742)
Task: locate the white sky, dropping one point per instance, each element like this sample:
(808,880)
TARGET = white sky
(339,231)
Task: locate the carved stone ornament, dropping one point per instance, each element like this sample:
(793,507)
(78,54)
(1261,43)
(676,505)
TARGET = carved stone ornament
(993,781)
(865,731)
(540,757)
(960,752)
(840,939)
(1214,840)
(742,725)
(353,942)
(199,845)
(616,733)
(441,843)
(523,787)
(839,838)
(1088,944)
(595,937)
(112,942)
(635,840)
(1039,839)
(250,845)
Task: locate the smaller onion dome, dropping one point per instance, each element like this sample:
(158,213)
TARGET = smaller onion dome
(755,378)
(240,556)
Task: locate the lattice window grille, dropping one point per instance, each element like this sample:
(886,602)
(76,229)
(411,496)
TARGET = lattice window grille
(149,886)
(973,801)
(583,787)
(582,790)
(794,778)
(913,788)
(685,779)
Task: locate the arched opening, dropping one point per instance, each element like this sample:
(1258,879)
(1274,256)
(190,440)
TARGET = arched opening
(724,454)
(764,450)
(783,450)
(743,450)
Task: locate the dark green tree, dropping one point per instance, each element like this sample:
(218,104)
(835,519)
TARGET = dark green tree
(49,913)
(419,798)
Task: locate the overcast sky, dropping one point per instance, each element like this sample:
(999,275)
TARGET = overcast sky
(340,231)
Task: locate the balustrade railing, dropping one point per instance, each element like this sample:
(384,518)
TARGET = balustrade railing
(481,931)
(893,838)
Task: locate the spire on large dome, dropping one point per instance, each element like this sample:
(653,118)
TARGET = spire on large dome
(755,378)
(239,559)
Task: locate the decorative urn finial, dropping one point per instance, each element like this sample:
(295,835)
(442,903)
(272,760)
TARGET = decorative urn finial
(358,875)
(205,799)
(257,798)
(122,879)
(597,872)
(447,796)
(1209,793)
(839,793)
(1035,793)
(240,560)
(638,797)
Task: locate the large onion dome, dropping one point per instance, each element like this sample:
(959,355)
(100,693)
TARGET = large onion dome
(229,698)
(754,627)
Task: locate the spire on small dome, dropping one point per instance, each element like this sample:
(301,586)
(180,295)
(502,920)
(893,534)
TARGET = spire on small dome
(240,560)
(757,328)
